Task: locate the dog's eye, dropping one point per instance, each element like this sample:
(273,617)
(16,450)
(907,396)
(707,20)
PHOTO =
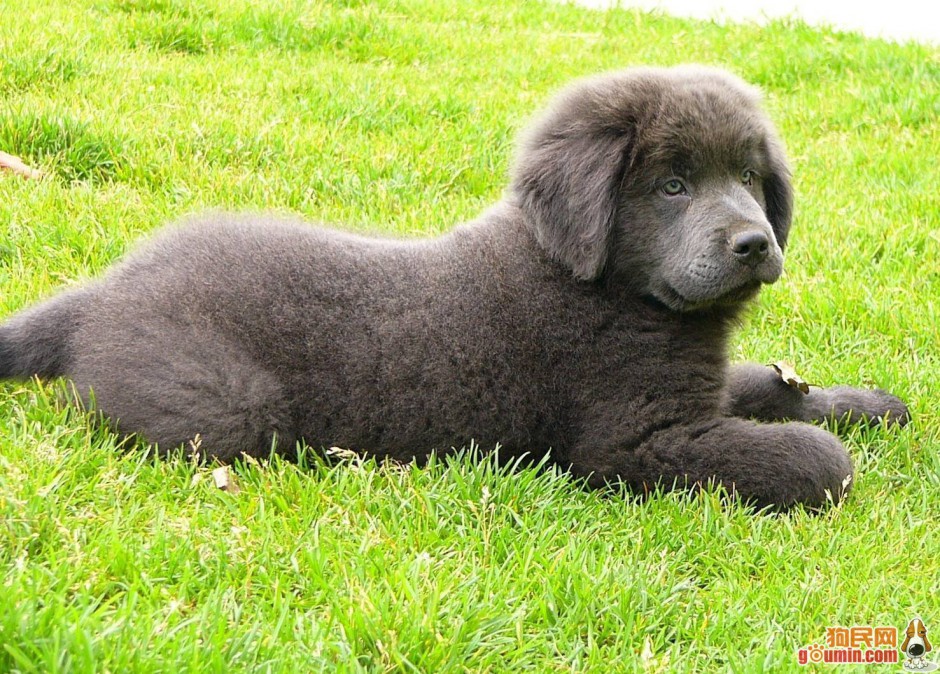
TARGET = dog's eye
(747,176)
(674,187)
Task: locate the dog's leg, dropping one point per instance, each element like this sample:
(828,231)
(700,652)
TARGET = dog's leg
(176,387)
(758,392)
(779,465)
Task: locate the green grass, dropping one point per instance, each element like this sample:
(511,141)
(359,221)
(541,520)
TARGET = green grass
(400,117)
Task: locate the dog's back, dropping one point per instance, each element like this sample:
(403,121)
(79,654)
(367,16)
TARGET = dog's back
(258,330)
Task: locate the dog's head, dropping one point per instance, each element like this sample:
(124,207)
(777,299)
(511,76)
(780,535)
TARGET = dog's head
(671,181)
(916,644)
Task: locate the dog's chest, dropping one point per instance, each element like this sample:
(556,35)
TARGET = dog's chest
(626,356)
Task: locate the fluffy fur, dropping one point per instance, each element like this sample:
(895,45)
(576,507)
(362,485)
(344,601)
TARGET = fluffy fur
(587,314)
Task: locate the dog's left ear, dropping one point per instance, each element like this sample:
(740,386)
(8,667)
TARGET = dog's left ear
(778,192)
(567,180)
(907,642)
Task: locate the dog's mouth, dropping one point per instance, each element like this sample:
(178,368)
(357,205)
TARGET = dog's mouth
(743,293)
(666,294)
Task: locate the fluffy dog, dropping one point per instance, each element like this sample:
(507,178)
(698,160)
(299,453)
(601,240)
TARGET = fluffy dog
(587,314)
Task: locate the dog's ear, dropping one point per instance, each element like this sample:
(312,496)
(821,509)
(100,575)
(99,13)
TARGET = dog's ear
(906,643)
(778,192)
(567,180)
(927,646)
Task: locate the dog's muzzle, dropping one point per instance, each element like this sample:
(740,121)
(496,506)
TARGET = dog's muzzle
(915,647)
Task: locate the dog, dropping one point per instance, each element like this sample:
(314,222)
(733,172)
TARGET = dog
(916,646)
(586,315)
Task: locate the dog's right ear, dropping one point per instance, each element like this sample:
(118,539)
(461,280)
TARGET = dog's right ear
(778,191)
(567,180)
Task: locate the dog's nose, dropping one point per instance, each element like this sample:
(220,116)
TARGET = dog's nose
(750,247)
(915,650)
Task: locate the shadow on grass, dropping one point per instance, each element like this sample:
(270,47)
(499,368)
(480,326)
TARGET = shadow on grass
(174,26)
(22,72)
(68,148)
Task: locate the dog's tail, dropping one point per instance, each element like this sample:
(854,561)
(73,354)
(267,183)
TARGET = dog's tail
(37,342)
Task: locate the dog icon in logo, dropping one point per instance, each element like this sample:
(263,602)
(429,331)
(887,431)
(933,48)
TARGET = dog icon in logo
(916,647)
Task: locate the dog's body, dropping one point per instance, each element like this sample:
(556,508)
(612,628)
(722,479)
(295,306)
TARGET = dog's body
(587,314)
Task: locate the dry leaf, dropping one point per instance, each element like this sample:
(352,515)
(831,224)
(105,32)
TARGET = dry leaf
(224,480)
(250,460)
(342,453)
(15,165)
(789,375)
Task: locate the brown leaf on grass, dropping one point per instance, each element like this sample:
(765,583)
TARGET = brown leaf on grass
(15,165)
(224,480)
(790,377)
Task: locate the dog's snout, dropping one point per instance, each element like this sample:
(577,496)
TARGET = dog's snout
(915,650)
(750,247)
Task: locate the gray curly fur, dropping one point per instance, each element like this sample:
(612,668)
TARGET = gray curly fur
(587,314)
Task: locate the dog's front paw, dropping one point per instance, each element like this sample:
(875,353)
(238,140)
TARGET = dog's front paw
(857,406)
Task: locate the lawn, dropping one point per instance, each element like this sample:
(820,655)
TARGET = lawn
(400,118)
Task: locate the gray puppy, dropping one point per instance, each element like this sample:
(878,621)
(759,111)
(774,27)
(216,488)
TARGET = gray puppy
(587,314)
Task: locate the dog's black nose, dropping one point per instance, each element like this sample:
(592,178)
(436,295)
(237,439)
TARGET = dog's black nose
(915,650)
(750,247)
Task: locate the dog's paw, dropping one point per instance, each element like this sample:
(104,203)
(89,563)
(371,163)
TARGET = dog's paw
(858,406)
